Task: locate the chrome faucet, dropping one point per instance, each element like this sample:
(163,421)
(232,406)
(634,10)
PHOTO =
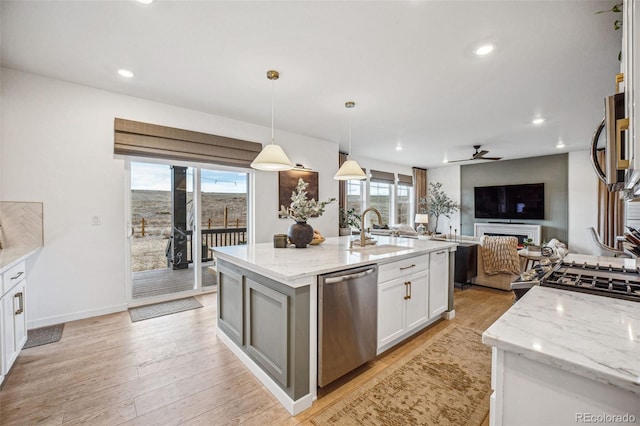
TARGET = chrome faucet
(363,238)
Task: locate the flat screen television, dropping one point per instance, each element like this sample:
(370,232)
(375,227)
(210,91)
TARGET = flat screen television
(509,201)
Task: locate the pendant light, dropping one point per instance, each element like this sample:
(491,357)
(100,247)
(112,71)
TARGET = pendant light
(350,169)
(272,157)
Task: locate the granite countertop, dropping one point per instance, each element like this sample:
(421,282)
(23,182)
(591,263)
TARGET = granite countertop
(10,257)
(593,336)
(289,264)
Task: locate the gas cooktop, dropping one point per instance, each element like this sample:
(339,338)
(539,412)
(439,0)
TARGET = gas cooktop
(603,280)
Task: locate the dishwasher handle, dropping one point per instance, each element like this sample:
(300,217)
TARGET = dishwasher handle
(341,278)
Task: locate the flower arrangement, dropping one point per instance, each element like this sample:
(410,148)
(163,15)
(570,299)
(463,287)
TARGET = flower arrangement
(301,207)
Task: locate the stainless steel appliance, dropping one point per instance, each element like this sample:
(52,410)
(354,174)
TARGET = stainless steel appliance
(603,280)
(617,153)
(347,321)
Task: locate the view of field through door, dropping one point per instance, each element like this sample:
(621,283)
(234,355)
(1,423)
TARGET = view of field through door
(167,244)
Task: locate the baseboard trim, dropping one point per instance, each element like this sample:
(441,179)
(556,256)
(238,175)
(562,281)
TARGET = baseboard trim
(44,322)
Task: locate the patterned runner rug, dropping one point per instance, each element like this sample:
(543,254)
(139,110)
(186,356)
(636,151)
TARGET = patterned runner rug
(161,309)
(446,381)
(43,336)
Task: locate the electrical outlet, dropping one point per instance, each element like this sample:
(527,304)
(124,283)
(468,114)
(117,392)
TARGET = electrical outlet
(95,220)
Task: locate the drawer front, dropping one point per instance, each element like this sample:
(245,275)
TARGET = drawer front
(13,276)
(403,267)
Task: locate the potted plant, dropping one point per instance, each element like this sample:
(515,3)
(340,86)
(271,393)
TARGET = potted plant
(437,203)
(529,246)
(300,210)
(348,219)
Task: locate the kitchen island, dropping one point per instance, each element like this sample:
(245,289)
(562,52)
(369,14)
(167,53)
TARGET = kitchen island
(268,303)
(564,357)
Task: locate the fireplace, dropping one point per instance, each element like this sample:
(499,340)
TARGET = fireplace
(521,231)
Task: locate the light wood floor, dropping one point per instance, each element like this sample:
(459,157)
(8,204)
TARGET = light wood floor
(172,370)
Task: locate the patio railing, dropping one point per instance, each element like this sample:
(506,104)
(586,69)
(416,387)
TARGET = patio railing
(210,238)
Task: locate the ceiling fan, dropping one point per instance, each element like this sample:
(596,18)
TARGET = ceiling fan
(478,155)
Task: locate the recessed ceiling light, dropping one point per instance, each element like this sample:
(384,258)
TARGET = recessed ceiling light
(145,1)
(125,73)
(398,148)
(538,120)
(484,49)
(560,144)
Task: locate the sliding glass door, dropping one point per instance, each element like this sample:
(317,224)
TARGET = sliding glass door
(177,213)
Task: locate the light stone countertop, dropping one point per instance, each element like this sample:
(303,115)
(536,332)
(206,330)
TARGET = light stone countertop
(10,257)
(593,336)
(289,265)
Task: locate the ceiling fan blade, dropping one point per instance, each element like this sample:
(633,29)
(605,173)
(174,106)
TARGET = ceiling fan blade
(480,154)
(490,158)
(457,161)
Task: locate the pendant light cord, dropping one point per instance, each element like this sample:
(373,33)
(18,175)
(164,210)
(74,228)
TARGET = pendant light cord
(349,153)
(273,90)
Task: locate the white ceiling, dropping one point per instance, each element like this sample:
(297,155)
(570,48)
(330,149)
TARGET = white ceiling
(408,65)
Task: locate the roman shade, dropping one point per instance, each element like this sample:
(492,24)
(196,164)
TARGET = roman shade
(152,140)
(405,180)
(384,177)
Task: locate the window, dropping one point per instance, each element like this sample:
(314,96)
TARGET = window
(355,199)
(395,201)
(380,198)
(404,198)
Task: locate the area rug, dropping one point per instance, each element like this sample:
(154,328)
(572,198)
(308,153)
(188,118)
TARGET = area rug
(162,309)
(446,381)
(43,336)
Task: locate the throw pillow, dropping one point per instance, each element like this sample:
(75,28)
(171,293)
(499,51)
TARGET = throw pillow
(500,255)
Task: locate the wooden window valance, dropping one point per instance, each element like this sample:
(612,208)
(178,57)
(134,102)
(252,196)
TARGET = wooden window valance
(384,177)
(152,140)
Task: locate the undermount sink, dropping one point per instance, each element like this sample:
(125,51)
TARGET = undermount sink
(381,249)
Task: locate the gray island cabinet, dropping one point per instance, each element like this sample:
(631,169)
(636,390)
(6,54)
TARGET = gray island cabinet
(268,303)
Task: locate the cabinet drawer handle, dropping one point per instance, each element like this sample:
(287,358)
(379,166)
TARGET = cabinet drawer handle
(16,276)
(406,290)
(407,267)
(21,300)
(440,252)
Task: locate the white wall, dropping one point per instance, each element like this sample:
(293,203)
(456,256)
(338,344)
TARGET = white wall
(583,201)
(449,177)
(58,148)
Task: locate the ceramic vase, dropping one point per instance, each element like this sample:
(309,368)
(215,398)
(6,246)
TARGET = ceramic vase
(300,234)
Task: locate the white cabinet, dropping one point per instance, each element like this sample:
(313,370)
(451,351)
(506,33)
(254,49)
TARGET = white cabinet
(402,306)
(438,283)
(403,299)
(13,319)
(528,392)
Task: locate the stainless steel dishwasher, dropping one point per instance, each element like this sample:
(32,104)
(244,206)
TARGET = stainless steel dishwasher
(347,321)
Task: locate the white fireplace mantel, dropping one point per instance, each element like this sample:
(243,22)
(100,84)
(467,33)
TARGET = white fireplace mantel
(530,230)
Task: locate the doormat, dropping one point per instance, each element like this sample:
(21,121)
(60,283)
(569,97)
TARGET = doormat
(445,381)
(162,309)
(43,336)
